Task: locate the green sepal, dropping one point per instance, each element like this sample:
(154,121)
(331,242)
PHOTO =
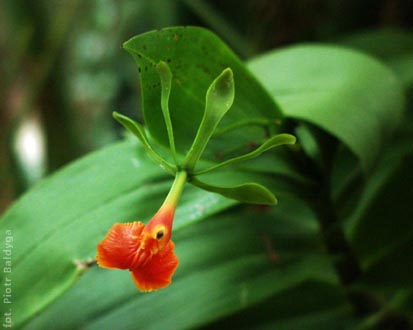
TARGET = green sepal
(219,99)
(252,193)
(165,75)
(137,130)
(272,142)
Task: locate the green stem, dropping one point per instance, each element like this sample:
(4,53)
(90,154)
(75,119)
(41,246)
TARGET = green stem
(176,190)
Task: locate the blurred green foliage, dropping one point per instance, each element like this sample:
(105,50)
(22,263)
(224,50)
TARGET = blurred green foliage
(336,253)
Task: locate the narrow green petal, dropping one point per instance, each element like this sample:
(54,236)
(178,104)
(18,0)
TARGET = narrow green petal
(272,142)
(137,130)
(219,99)
(166,83)
(252,193)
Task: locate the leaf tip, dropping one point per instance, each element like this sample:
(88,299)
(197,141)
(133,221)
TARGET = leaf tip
(226,79)
(268,198)
(273,200)
(228,74)
(223,88)
(125,46)
(162,66)
(291,139)
(118,117)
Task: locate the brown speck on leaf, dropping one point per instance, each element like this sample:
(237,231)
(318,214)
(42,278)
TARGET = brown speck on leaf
(176,37)
(259,208)
(252,145)
(205,69)
(278,122)
(272,254)
(218,156)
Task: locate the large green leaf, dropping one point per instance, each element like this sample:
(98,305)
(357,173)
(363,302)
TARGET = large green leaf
(196,57)
(350,95)
(227,263)
(57,225)
(62,219)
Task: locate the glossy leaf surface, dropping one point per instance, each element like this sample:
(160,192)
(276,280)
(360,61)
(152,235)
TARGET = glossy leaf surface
(59,223)
(348,94)
(231,261)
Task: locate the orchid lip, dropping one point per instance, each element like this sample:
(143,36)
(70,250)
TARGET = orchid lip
(141,258)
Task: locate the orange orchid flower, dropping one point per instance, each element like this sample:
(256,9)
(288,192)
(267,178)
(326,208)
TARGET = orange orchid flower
(146,251)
